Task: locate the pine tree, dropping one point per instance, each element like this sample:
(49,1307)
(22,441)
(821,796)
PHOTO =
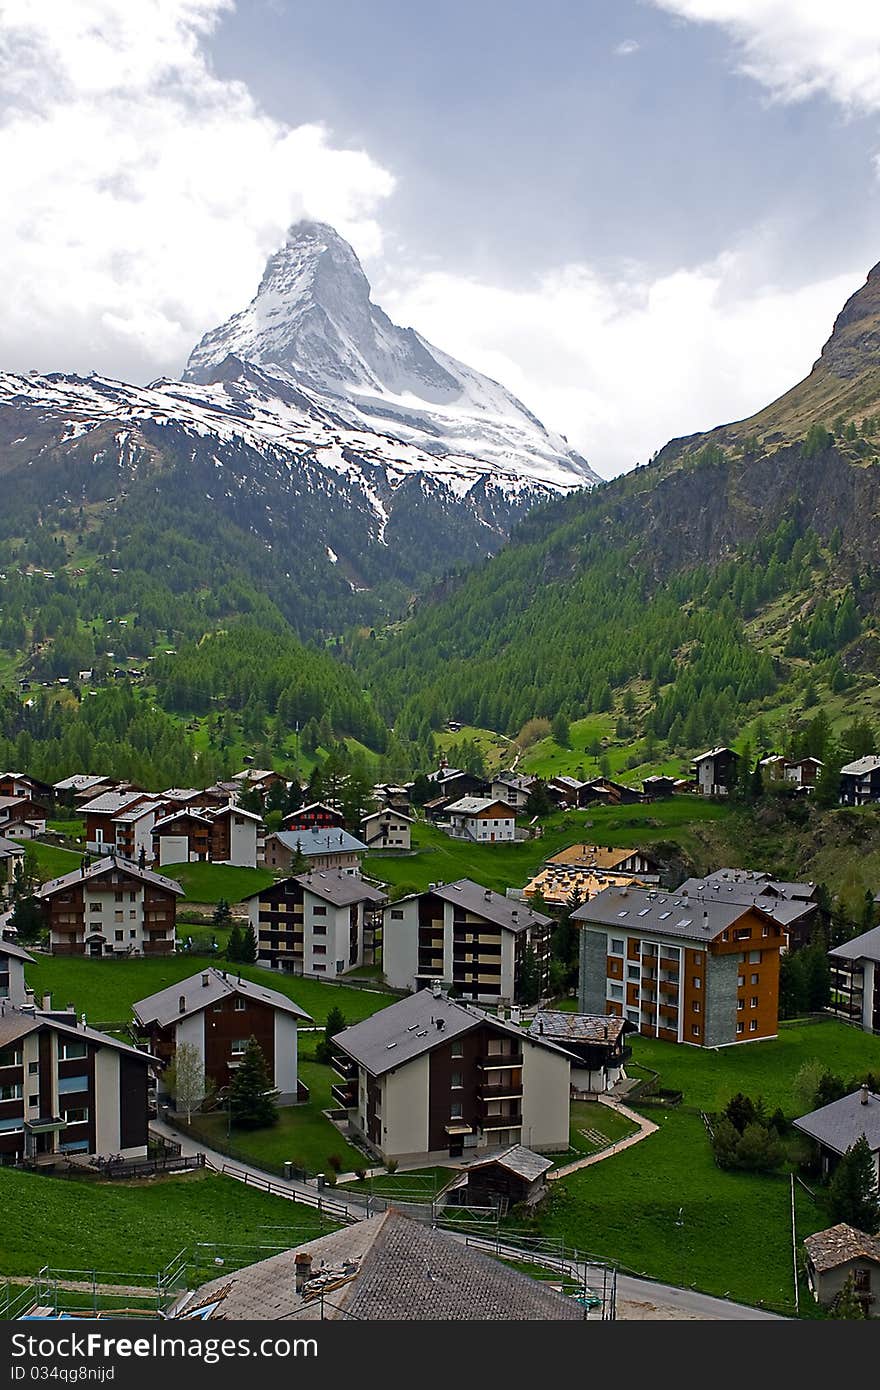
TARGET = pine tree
(251,1095)
(235,944)
(852,1192)
(848,1305)
(529,984)
(249,945)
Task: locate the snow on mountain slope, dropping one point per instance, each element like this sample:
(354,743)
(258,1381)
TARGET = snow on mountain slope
(312,324)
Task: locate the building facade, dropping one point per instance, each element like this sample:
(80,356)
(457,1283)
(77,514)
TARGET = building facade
(855,980)
(860,782)
(388,829)
(217,1013)
(482,820)
(318,924)
(467,936)
(429,1078)
(111,907)
(685,968)
(324,849)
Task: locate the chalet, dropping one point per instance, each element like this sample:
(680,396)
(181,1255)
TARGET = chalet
(513,789)
(468,936)
(316,816)
(122,822)
(393,797)
(608,792)
(20,784)
(715,772)
(453,783)
(428,1077)
(596,1044)
(794,906)
(855,980)
(13,959)
(686,968)
(319,923)
(192,799)
(11,854)
(387,829)
(67,1090)
(111,907)
(506,1178)
(82,787)
(564,790)
(801,773)
(606,859)
(217,1013)
(323,849)
(835,1128)
(839,1255)
(22,816)
(375,1271)
(216,835)
(482,820)
(656,787)
(860,782)
(258,779)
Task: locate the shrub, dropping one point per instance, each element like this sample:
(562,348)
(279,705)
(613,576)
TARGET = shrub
(334,1162)
(361,1174)
(391,1165)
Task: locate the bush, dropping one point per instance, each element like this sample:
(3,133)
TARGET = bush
(360,1174)
(335,1163)
(391,1165)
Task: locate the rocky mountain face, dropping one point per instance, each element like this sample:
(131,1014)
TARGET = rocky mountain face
(363,460)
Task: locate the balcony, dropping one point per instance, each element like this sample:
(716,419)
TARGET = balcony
(509,1121)
(513,1091)
(498,1059)
(666,963)
(345,1096)
(344,1066)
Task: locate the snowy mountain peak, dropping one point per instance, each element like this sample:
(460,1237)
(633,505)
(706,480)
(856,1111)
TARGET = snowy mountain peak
(313,325)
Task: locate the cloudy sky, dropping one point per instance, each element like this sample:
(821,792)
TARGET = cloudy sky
(641,215)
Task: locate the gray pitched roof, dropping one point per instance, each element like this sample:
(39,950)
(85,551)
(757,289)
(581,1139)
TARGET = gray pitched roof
(389,1269)
(101,866)
(473,805)
(316,842)
(10,848)
(15,1023)
(861,767)
(207,987)
(575,1028)
(864,947)
(10,948)
(509,913)
(784,902)
(837,1126)
(331,885)
(112,803)
(840,1244)
(662,914)
(525,1163)
(416,1025)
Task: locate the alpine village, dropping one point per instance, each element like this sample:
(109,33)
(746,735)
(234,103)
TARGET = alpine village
(406,860)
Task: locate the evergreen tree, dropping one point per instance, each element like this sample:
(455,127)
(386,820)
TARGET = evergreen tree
(251,1095)
(335,1024)
(249,945)
(847,1304)
(222,916)
(852,1192)
(234,944)
(529,984)
(27,918)
(561,731)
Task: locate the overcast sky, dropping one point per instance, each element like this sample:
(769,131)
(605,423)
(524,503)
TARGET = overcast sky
(640,215)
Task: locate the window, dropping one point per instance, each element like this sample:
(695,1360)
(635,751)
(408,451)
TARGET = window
(615,991)
(71,1146)
(319,911)
(695,1006)
(119,935)
(33,1101)
(94,907)
(697,982)
(633,1015)
(13,1126)
(13,1092)
(396,914)
(240,1005)
(131,897)
(117,897)
(740,981)
(73,1048)
(455,1110)
(77,1117)
(616,947)
(238,1046)
(862,1280)
(11,1057)
(33,1068)
(765,931)
(456,1050)
(632,972)
(132,914)
(67,1084)
(725,936)
(695,1030)
(455,1080)
(753,1002)
(740,1004)
(739,1028)
(753,1025)
(754,978)
(132,933)
(754,957)
(319,950)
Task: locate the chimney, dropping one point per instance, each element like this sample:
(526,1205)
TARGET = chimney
(302,1270)
(487,896)
(437,988)
(541,1025)
(181,1003)
(205,979)
(515,1013)
(863,1098)
(47,1003)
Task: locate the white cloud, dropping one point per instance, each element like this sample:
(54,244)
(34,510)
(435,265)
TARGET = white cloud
(141,193)
(800,48)
(627,48)
(621,367)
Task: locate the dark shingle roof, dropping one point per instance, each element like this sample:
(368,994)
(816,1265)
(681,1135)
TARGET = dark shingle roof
(389,1269)
(662,914)
(837,1126)
(207,987)
(589,1028)
(840,1244)
(525,1163)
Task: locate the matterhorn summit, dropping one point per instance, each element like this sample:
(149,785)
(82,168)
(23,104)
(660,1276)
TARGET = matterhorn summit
(313,321)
